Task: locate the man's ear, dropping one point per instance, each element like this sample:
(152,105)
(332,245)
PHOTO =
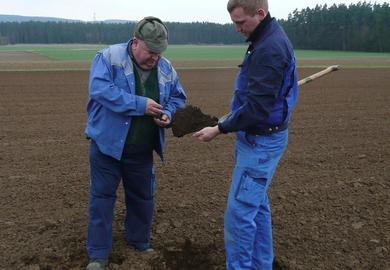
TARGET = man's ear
(261,13)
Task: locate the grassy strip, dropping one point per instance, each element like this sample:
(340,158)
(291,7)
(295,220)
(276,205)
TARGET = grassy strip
(184,68)
(79,52)
(310,54)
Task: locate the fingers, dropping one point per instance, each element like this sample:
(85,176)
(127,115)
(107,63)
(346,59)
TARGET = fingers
(163,121)
(153,108)
(198,134)
(202,135)
(206,134)
(156,110)
(164,117)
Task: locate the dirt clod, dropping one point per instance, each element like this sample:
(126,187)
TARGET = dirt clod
(191,119)
(188,257)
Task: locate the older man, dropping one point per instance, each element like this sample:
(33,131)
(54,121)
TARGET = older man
(133,94)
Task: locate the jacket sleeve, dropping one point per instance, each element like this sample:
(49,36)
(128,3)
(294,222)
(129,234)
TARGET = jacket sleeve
(103,90)
(177,97)
(265,77)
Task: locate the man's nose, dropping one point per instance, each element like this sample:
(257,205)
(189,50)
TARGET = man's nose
(155,56)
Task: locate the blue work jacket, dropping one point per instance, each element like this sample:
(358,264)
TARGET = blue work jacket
(113,100)
(266,86)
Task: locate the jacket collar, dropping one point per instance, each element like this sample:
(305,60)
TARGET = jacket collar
(130,51)
(255,35)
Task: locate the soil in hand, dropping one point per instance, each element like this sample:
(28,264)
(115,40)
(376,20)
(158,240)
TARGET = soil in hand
(191,119)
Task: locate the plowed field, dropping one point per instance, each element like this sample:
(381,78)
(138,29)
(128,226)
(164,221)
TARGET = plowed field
(330,196)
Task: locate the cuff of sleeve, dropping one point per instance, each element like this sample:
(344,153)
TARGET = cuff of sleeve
(168,113)
(221,129)
(141,105)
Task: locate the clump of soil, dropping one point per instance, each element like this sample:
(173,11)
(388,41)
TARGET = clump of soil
(187,256)
(191,119)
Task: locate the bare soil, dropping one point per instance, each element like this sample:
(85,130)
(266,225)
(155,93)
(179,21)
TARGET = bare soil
(20,57)
(330,196)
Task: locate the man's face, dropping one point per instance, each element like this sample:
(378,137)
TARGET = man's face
(145,58)
(245,23)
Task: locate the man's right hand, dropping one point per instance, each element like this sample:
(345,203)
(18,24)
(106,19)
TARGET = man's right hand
(207,134)
(153,108)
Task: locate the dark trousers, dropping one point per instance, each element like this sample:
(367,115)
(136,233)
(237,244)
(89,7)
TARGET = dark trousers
(136,171)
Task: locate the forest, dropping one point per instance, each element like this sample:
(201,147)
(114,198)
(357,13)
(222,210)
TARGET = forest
(356,27)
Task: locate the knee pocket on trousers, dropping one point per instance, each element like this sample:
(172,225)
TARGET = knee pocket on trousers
(252,187)
(149,191)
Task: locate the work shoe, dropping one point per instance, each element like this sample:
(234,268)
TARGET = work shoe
(146,250)
(97,264)
(278,265)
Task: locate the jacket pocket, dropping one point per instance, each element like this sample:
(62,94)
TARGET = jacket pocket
(252,188)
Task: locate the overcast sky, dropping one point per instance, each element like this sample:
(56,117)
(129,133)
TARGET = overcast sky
(167,10)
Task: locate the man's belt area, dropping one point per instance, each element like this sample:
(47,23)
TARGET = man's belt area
(267,130)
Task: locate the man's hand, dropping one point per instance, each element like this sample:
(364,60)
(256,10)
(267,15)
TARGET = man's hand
(207,134)
(162,121)
(153,108)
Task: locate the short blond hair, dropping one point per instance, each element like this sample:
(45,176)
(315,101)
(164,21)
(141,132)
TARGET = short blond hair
(249,6)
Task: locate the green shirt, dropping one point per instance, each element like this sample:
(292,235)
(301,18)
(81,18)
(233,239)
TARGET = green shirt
(143,130)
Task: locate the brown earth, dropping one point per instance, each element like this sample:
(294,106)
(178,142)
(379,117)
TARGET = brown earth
(191,119)
(21,57)
(330,196)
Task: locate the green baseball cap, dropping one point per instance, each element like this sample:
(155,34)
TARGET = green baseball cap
(153,32)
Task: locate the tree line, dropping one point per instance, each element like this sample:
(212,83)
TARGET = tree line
(357,27)
(108,33)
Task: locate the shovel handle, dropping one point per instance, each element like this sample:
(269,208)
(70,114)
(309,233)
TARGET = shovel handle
(318,74)
(303,81)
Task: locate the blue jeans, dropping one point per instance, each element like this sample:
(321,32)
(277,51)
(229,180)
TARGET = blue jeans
(248,228)
(136,170)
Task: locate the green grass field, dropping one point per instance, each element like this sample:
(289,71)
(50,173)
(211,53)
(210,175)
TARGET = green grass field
(80,52)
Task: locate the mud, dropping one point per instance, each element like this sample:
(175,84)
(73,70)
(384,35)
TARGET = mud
(330,197)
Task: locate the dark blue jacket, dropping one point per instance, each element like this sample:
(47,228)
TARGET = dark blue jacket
(266,87)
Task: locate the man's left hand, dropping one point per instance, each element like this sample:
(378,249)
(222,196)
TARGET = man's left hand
(163,121)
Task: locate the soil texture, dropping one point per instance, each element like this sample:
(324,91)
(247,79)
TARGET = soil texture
(191,119)
(330,196)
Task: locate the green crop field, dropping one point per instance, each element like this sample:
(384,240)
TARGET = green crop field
(60,52)
(80,52)
(205,52)
(336,54)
